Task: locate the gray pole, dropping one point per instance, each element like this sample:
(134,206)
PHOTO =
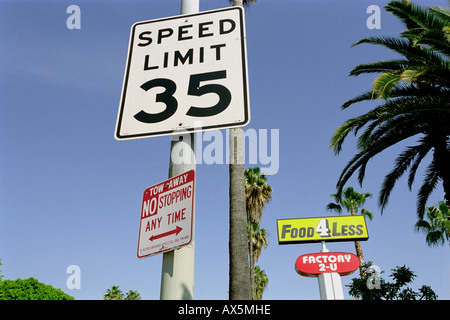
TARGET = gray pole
(177,274)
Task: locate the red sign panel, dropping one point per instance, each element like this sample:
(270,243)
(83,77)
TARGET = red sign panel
(166,215)
(313,264)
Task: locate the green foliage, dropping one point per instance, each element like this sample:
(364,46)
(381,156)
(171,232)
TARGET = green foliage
(436,225)
(257,194)
(351,201)
(413,92)
(113,294)
(116,294)
(261,282)
(396,290)
(133,295)
(30,289)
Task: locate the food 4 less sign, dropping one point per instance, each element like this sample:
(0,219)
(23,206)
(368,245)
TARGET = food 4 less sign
(340,228)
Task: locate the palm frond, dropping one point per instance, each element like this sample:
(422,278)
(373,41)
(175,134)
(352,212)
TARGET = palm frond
(360,159)
(424,148)
(402,163)
(414,16)
(442,13)
(362,97)
(380,66)
(383,84)
(415,90)
(430,181)
(367,213)
(334,207)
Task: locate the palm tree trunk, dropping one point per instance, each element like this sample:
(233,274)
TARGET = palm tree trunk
(239,279)
(441,156)
(252,262)
(359,253)
(239,282)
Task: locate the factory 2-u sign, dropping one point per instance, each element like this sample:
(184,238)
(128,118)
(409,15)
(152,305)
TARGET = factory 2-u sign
(313,264)
(185,73)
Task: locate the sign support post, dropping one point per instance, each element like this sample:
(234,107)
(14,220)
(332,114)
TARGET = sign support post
(184,64)
(177,274)
(330,284)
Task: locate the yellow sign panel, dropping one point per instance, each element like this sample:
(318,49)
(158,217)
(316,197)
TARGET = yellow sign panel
(338,228)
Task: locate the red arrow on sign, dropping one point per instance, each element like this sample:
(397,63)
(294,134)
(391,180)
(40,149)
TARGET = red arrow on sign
(175,231)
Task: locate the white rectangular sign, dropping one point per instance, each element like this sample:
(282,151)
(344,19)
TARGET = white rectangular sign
(166,215)
(186,72)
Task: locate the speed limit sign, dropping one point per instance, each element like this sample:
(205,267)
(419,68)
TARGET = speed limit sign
(186,72)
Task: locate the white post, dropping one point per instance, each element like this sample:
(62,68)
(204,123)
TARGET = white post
(330,284)
(177,274)
(190,6)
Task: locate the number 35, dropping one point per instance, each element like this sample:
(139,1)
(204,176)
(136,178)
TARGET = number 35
(194,89)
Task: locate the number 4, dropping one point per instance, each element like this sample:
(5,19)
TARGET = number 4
(194,89)
(322,228)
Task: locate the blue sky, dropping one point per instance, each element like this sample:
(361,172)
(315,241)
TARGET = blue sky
(70,194)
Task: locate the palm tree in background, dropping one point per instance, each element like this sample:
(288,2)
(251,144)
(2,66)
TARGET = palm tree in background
(258,241)
(239,285)
(414,95)
(261,282)
(352,201)
(113,294)
(437,228)
(257,194)
(116,294)
(133,295)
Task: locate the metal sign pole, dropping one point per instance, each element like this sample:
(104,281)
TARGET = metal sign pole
(177,274)
(330,284)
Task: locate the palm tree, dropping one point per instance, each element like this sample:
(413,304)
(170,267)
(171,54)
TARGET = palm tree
(415,96)
(239,280)
(113,294)
(133,295)
(352,201)
(261,282)
(116,294)
(257,194)
(258,241)
(437,227)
